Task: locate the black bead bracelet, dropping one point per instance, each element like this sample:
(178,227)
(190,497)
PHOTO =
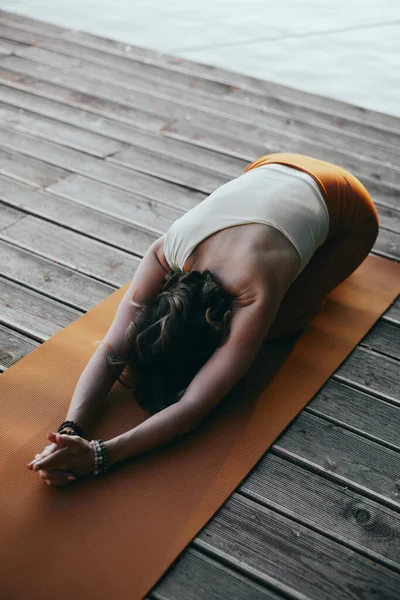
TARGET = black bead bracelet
(72,425)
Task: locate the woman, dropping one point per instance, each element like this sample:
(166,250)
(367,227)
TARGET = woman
(254,260)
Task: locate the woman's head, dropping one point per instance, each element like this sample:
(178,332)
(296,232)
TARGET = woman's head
(172,337)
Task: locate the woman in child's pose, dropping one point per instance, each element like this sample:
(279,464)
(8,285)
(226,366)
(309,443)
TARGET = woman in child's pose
(254,260)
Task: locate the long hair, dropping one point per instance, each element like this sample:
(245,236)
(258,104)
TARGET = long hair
(170,339)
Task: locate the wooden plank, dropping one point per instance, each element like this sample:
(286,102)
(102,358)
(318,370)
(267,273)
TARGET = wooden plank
(32,313)
(265,140)
(167,147)
(358,411)
(117,112)
(48,129)
(315,116)
(174,64)
(384,338)
(144,71)
(148,214)
(380,191)
(393,313)
(291,555)
(283,124)
(175,103)
(85,218)
(389,217)
(96,168)
(327,507)
(245,98)
(152,78)
(13,347)
(373,372)
(388,244)
(164,146)
(253,141)
(8,216)
(195,575)
(8,47)
(29,170)
(343,456)
(366,172)
(169,169)
(51,279)
(82,254)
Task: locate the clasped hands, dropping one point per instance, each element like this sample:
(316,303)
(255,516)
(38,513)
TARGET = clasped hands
(65,459)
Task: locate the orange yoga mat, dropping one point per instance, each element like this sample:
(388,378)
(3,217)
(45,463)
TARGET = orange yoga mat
(113,537)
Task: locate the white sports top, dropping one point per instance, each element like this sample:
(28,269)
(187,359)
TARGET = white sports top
(283,197)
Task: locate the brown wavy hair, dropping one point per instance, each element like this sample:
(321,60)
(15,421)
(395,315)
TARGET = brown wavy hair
(171,338)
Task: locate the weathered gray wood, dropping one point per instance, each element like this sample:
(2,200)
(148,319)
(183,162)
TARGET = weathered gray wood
(165,146)
(8,47)
(48,129)
(384,338)
(393,312)
(73,250)
(169,169)
(293,556)
(327,507)
(278,106)
(389,217)
(195,576)
(388,244)
(250,128)
(344,456)
(13,347)
(85,217)
(347,126)
(373,372)
(157,144)
(160,88)
(143,71)
(93,104)
(8,216)
(120,177)
(135,76)
(147,213)
(51,279)
(254,142)
(29,170)
(358,411)
(32,313)
(172,65)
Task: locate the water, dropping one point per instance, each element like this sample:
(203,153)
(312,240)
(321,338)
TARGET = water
(349,49)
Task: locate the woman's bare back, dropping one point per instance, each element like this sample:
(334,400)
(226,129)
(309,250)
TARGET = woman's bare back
(245,258)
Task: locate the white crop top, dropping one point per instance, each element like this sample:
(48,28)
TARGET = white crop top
(283,197)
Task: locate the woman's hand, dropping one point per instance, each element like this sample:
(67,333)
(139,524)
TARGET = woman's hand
(51,477)
(74,456)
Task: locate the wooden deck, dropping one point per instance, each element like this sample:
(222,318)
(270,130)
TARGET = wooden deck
(102,146)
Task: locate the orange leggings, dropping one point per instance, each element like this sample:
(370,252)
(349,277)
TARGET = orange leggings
(354,227)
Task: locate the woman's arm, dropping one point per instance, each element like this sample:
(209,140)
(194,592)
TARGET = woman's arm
(99,375)
(227,365)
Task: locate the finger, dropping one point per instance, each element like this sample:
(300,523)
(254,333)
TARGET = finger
(51,462)
(48,450)
(57,477)
(64,440)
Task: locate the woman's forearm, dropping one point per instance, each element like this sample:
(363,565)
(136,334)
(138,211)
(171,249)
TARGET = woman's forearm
(93,386)
(171,422)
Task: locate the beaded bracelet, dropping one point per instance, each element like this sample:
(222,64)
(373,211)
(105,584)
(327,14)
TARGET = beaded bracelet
(100,457)
(70,425)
